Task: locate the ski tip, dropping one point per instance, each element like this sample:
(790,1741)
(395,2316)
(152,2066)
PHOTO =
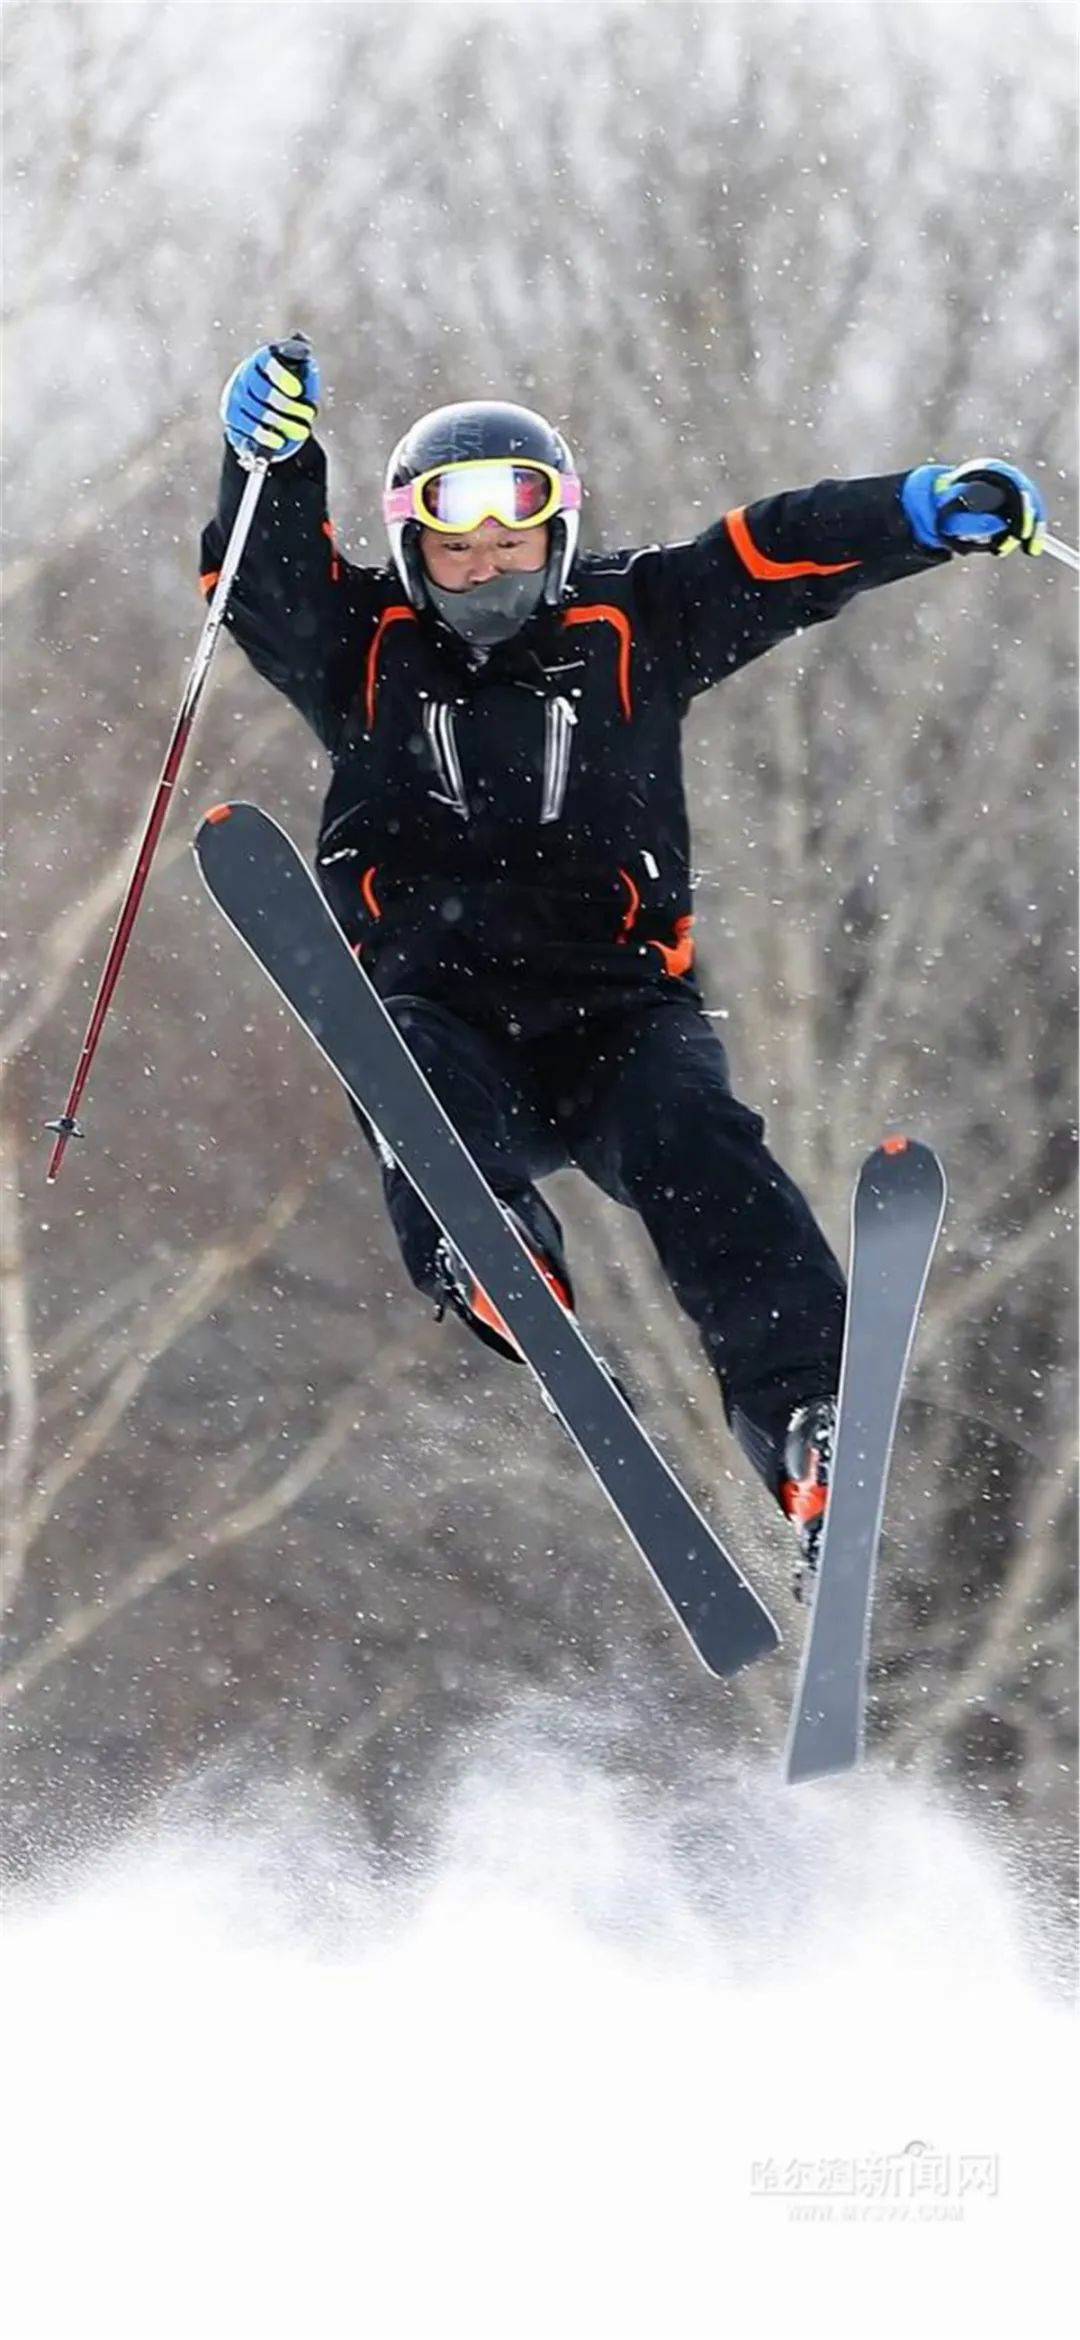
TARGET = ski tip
(213,818)
(900,1167)
(910,1157)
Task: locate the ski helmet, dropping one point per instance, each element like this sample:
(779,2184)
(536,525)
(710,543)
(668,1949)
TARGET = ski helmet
(481,432)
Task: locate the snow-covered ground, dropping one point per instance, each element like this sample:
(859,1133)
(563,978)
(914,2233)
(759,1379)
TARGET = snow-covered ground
(797,2065)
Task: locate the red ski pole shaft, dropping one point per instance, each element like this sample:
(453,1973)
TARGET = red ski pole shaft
(67,1126)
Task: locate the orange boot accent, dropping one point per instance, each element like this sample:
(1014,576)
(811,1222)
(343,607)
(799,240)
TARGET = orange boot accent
(804,1499)
(487,1313)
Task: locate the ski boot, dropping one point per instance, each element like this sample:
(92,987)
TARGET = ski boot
(804,1488)
(459,1290)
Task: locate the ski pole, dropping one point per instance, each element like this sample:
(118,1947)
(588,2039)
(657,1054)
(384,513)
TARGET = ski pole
(1061,552)
(67,1126)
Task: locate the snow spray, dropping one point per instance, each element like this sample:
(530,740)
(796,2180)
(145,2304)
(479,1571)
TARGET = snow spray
(606,2071)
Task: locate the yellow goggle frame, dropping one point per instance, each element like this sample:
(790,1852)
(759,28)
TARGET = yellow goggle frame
(518,494)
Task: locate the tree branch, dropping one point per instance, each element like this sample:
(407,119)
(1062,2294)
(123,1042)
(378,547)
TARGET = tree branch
(175,1316)
(87,1618)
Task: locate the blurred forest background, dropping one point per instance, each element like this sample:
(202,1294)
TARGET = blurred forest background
(261,1513)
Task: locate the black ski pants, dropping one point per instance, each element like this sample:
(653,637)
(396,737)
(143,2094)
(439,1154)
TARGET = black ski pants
(640,1100)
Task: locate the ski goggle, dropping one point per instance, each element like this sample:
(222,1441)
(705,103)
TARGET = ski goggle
(456,497)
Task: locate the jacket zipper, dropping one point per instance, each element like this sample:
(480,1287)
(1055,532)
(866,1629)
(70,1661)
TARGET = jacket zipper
(560,721)
(439,729)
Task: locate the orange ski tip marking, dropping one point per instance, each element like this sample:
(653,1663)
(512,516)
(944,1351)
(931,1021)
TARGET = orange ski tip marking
(895,1145)
(219,812)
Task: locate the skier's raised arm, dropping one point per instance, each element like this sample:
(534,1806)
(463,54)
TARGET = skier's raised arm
(297,608)
(770,568)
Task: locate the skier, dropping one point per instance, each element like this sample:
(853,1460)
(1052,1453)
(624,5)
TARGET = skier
(505,839)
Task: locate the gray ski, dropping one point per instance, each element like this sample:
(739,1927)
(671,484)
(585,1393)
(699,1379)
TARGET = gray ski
(269,896)
(896,1216)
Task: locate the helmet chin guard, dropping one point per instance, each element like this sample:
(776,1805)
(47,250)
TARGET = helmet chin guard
(480,431)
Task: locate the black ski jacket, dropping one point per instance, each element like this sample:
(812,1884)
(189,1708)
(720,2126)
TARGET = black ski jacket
(516,829)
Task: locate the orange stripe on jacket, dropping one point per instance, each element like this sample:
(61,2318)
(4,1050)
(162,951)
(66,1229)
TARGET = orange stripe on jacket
(602,613)
(630,918)
(207,583)
(390,617)
(367,888)
(775,572)
(678,957)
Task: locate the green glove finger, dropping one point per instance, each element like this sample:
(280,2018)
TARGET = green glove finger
(293,427)
(1033,533)
(293,414)
(298,406)
(282,379)
(1031,538)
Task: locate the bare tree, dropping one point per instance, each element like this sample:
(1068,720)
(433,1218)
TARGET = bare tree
(255,1500)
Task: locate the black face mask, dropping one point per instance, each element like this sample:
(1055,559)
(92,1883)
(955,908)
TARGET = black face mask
(490,613)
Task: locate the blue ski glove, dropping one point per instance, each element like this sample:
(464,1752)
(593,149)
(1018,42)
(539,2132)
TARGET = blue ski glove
(269,405)
(985,506)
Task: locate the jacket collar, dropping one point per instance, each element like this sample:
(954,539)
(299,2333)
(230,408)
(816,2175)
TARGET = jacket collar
(525,657)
